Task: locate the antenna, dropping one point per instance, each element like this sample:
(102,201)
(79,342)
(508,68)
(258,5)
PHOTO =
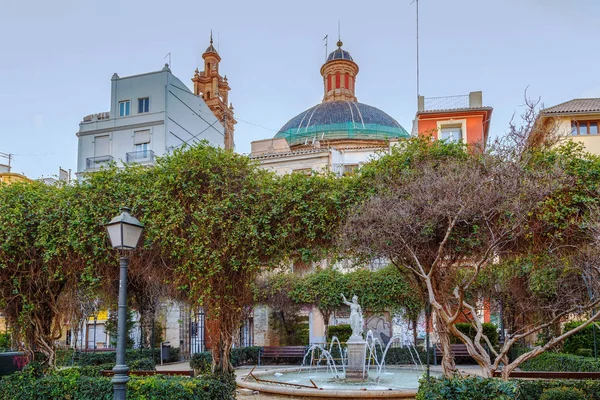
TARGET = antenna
(168,55)
(325,39)
(339,34)
(418,89)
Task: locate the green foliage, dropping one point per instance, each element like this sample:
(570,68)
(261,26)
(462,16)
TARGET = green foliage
(534,389)
(489,329)
(201,362)
(111,327)
(584,353)
(383,289)
(343,332)
(561,362)
(108,357)
(72,384)
(405,356)
(563,393)
(473,388)
(143,364)
(584,339)
(4,341)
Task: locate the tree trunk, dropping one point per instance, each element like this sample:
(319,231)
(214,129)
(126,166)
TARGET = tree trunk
(448,364)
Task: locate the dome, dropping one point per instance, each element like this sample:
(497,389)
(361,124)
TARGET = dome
(339,54)
(339,120)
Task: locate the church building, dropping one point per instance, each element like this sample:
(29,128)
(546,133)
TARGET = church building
(339,134)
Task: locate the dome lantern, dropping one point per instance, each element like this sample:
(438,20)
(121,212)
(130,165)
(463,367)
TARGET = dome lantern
(339,75)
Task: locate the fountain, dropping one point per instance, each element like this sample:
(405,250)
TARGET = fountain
(356,371)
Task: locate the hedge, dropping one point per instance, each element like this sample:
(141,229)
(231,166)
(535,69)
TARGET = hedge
(489,329)
(560,362)
(342,332)
(584,339)
(533,389)
(74,386)
(473,388)
(201,362)
(402,356)
(477,388)
(65,358)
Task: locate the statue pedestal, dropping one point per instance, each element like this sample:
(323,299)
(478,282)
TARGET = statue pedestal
(356,359)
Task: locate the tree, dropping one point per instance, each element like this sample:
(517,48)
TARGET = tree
(446,215)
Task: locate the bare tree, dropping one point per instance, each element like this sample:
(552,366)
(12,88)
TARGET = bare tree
(448,218)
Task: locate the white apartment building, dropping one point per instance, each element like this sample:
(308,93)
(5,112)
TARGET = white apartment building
(150,115)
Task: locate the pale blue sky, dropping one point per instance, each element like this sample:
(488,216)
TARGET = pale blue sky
(57,58)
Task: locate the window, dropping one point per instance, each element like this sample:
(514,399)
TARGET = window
(124,108)
(451,134)
(141,150)
(350,169)
(143,105)
(584,128)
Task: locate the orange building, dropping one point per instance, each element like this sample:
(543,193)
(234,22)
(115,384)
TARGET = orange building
(454,118)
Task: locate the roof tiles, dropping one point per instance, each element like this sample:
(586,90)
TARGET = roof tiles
(575,106)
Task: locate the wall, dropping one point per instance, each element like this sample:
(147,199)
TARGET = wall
(189,118)
(429,124)
(591,142)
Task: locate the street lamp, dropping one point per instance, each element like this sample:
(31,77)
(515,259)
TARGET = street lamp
(124,232)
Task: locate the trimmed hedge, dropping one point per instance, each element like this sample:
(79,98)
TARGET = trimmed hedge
(402,356)
(563,393)
(343,332)
(489,329)
(533,389)
(201,362)
(584,339)
(74,386)
(473,388)
(65,358)
(560,362)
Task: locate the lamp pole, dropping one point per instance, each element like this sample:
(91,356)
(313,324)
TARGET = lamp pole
(121,369)
(124,232)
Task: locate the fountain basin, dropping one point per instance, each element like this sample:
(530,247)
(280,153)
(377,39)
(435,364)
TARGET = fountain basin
(394,383)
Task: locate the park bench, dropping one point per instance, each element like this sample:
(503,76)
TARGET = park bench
(459,351)
(281,352)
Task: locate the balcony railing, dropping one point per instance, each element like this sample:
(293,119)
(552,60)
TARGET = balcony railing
(98,162)
(140,157)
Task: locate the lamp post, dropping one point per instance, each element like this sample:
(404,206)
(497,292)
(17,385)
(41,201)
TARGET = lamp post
(124,232)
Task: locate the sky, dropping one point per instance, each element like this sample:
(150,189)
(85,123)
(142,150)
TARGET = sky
(57,58)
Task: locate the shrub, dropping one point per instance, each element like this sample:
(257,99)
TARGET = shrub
(563,393)
(533,389)
(584,353)
(402,355)
(175,355)
(64,357)
(561,362)
(106,357)
(473,388)
(4,341)
(143,364)
(71,384)
(489,329)
(343,332)
(584,339)
(201,362)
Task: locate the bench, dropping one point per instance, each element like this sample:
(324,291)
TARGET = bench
(281,352)
(110,372)
(458,350)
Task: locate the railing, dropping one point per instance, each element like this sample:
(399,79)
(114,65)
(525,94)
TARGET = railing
(96,117)
(144,156)
(446,102)
(98,162)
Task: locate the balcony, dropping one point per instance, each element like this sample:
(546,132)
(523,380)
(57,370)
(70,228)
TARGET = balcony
(96,117)
(140,157)
(92,163)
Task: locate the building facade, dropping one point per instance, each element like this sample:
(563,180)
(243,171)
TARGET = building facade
(454,118)
(150,115)
(577,119)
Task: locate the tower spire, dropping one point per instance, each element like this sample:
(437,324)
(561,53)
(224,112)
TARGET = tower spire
(211,39)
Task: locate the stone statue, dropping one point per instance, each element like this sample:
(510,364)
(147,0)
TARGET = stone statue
(356,317)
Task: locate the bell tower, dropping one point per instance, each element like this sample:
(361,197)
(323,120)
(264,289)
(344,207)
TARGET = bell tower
(214,89)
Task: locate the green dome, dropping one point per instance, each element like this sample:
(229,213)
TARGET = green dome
(338,120)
